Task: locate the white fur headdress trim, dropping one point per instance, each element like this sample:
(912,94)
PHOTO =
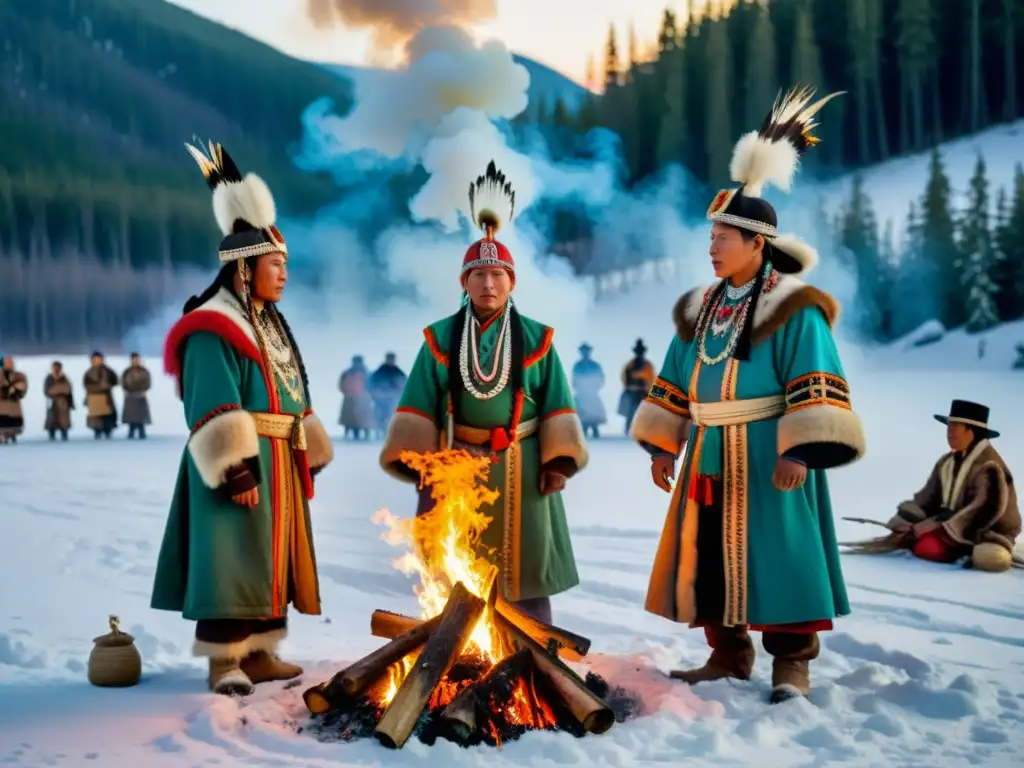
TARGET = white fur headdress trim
(249,200)
(804,254)
(757,161)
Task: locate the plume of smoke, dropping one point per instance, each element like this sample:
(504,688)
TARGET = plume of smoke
(395,22)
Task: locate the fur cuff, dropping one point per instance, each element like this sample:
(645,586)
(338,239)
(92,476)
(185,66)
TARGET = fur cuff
(223,442)
(408,431)
(561,436)
(319,448)
(836,434)
(659,427)
(262,641)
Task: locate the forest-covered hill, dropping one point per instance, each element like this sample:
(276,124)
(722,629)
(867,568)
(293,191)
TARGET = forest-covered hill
(96,98)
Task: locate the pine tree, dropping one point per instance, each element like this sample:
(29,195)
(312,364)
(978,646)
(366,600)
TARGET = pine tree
(611,61)
(915,46)
(938,240)
(859,236)
(668,35)
(913,295)
(762,81)
(1010,239)
(978,255)
(672,140)
(718,132)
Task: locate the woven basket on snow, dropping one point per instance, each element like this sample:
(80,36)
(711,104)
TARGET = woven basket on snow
(115,661)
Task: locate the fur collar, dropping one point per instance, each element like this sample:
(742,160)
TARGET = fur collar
(775,307)
(223,302)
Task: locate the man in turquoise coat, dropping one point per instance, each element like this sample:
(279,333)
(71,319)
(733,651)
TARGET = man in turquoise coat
(238,546)
(753,388)
(489,380)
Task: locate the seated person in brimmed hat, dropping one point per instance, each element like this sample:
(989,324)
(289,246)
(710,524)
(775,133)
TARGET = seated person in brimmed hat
(968,507)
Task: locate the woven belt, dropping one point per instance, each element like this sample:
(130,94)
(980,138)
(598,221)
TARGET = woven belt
(727,413)
(281,426)
(476,436)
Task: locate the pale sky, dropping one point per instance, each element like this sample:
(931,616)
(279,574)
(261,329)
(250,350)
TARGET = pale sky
(559,33)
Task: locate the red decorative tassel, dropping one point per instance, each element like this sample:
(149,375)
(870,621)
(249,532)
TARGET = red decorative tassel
(701,491)
(517,414)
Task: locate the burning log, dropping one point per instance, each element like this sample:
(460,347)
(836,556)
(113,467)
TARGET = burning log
(572,646)
(461,714)
(442,648)
(360,675)
(568,644)
(592,713)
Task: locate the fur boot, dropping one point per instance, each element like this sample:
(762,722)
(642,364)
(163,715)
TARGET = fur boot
(791,667)
(263,666)
(227,678)
(732,656)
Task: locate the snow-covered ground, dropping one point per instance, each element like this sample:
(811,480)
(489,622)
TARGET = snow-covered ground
(928,671)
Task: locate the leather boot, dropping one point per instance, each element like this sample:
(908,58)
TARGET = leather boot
(732,656)
(227,678)
(262,667)
(791,667)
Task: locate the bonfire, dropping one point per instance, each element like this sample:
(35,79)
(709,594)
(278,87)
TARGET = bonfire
(472,668)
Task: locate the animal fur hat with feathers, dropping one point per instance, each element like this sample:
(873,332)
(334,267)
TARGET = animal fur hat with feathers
(243,207)
(770,156)
(492,202)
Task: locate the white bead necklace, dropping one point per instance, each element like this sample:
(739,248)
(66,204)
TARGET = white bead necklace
(502,358)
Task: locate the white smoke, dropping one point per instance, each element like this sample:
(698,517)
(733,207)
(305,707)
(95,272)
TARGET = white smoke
(394,22)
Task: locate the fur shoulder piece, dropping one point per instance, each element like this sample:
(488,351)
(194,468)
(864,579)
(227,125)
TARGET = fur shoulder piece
(775,308)
(220,315)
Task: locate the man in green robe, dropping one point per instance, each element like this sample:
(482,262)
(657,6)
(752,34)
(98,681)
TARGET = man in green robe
(753,388)
(238,546)
(489,380)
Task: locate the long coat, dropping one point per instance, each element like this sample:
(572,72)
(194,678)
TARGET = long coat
(356,404)
(587,382)
(974,505)
(61,403)
(528,536)
(99,383)
(217,559)
(13,386)
(781,558)
(136,383)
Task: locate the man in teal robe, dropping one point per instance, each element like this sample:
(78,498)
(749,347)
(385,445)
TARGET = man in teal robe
(752,387)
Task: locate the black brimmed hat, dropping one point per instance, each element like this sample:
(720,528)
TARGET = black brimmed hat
(971,414)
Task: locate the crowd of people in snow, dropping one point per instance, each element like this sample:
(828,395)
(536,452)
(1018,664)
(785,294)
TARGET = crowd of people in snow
(369,400)
(99,383)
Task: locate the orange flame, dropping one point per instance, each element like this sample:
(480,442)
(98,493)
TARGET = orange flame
(444,544)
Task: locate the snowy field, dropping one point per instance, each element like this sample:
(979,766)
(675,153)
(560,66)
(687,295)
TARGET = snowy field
(928,671)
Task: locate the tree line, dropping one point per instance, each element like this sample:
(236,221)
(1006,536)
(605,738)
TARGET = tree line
(916,73)
(96,98)
(963,268)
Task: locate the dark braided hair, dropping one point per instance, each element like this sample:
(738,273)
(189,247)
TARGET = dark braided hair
(225,279)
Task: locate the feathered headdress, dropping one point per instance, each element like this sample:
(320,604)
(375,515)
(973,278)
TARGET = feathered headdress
(243,207)
(492,203)
(770,156)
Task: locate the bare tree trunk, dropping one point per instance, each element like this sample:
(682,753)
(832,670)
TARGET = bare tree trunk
(1010,57)
(975,67)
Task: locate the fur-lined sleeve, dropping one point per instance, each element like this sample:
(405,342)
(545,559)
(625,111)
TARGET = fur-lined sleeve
(986,502)
(662,422)
(924,503)
(319,448)
(819,426)
(562,444)
(415,426)
(223,434)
